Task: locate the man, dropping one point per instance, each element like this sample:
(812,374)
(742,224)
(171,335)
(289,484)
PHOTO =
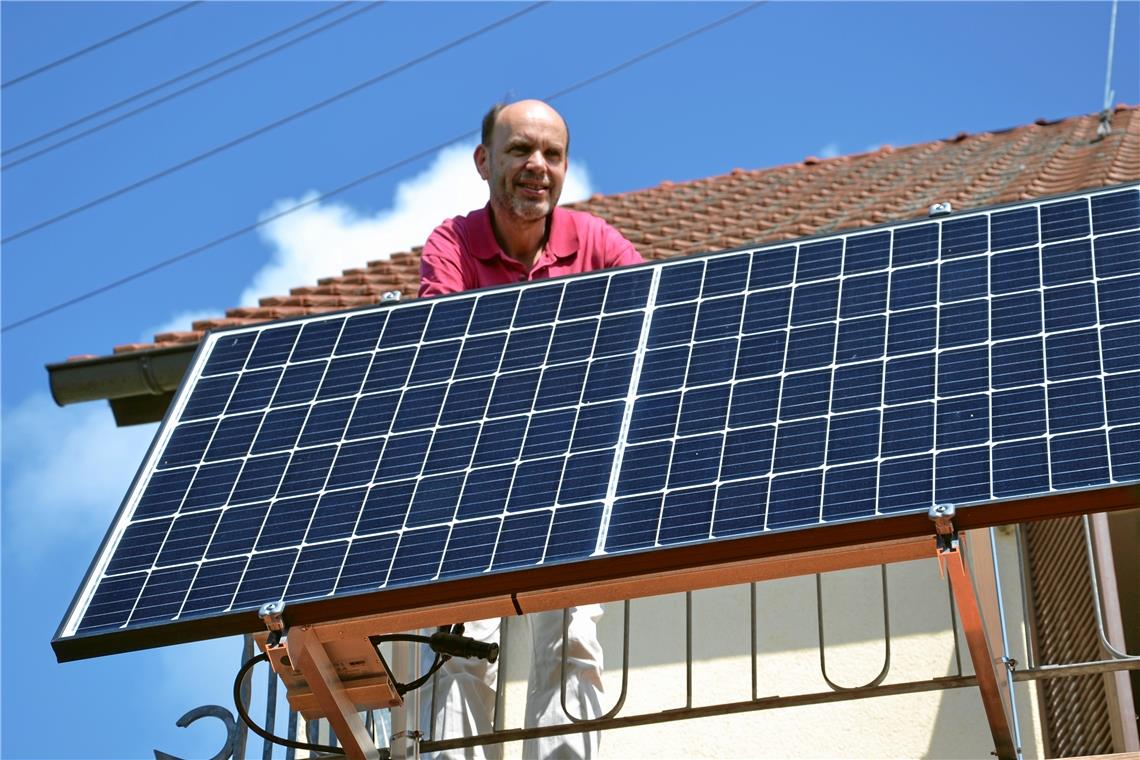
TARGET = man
(522,235)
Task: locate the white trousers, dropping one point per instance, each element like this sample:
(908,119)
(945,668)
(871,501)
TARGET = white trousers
(465,697)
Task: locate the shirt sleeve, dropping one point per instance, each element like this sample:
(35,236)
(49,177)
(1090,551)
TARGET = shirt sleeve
(619,251)
(440,269)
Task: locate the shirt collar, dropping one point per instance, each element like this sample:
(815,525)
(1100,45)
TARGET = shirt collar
(560,243)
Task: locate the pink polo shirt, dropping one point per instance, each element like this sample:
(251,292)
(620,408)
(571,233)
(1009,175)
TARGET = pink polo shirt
(462,253)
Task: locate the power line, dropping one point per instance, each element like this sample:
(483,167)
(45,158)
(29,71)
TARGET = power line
(186,75)
(370,176)
(100,43)
(268,127)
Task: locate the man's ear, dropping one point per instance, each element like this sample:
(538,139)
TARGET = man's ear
(482,161)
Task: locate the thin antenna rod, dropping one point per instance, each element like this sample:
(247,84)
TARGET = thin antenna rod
(1105,127)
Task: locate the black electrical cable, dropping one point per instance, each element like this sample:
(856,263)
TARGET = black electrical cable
(359,180)
(100,43)
(191,72)
(274,738)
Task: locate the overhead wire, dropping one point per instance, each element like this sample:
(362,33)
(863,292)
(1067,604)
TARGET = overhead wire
(370,176)
(189,73)
(270,126)
(101,43)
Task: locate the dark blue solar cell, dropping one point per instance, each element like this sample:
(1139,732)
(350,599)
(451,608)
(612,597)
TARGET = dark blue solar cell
(695,460)
(754,402)
(963,421)
(419,408)
(805,394)
(522,540)
(962,476)
(1018,362)
(164,493)
(908,429)
(583,298)
(418,556)
(795,500)
(598,426)
(572,341)
(451,449)
(1067,219)
(672,326)
(317,340)
(139,546)
(680,282)
(435,501)
(326,422)
(526,348)
(500,441)
(561,386)
(686,516)
(850,492)
(373,415)
(963,237)
(112,603)
(800,445)
(906,485)
(537,305)
(1116,211)
(1064,263)
(820,260)
(618,335)
(1125,444)
(766,310)
(810,347)
(633,523)
(608,379)
(493,312)
(252,392)
(1013,229)
(726,274)
(405,326)
(914,286)
(964,323)
(911,331)
(361,333)
(210,396)
(355,463)
(1069,307)
(481,355)
(434,363)
(211,487)
(628,290)
(403,456)
(718,318)
(1122,394)
(1013,271)
(962,371)
(237,531)
(274,344)
(1020,467)
(234,437)
(1076,405)
(853,437)
(771,269)
(316,572)
(336,515)
(389,370)
(367,563)
(187,444)
(214,586)
(643,468)
(485,492)
(1018,414)
(1079,459)
(654,417)
(386,506)
(1072,355)
(449,319)
(259,478)
(1016,316)
(860,339)
(265,579)
(307,471)
(469,549)
(962,279)
(299,383)
(549,433)
(536,484)
(747,453)
(1117,255)
(663,370)
(712,362)
(229,353)
(586,477)
(867,253)
(574,533)
(857,387)
(817,302)
(513,393)
(704,410)
(740,508)
(866,294)
(467,400)
(162,596)
(1118,347)
(910,378)
(1119,300)
(915,245)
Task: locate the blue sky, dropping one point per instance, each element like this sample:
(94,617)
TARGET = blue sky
(777,84)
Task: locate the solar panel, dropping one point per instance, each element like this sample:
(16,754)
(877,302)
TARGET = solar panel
(332,460)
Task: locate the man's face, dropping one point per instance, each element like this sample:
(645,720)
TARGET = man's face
(525,164)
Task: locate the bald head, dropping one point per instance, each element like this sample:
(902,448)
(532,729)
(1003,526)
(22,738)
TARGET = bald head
(528,108)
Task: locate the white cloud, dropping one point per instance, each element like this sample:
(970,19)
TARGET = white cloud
(831,150)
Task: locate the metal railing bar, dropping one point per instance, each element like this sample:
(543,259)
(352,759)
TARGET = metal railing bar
(886,635)
(752,649)
(1007,656)
(575,719)
(688,649)
(500,682)
(1094,576)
